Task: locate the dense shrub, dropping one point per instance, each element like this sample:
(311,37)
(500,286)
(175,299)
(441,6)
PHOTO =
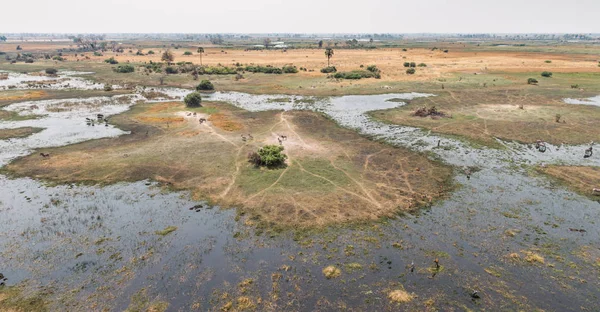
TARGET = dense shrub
(422,65)
(356,74)
(289,69)
(328,70)
(532,81)
(150,52)
(171,70)
(111,61)
(546,74)
(51,71)
(548,61)
(187,53)
(29,60)
(411,71)
(413,64)
(268,155)
(108,87)
(193,99)
(125,69)
(373,68)
(406,64)
(205,85)
(97,53)
(217,70)
(58,58)
(264,69)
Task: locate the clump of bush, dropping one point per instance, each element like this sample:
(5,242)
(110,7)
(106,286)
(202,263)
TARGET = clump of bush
(205,85)
(532,81)
(150,52)
(108,87)
(171,70)
(329,70)
(187,53)
(269,156)
(217,70)
(546,74)
(58,58)
(411,71)
(289,69)
(574,86)
(422,65)
(264,69)
(51,71)
(548,61)
(111,61)
(193,99)
(125,69)
(96,53)
(411,64)
(357,74)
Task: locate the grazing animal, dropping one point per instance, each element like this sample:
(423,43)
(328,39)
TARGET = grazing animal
(189,114)
(202,120)
(283,137)
(588,153)
(596,191)
(194,113)
(250,136)
(280,141)
(243,138)
(44,155)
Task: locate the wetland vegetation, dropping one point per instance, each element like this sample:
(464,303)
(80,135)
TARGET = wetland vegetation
(281,181)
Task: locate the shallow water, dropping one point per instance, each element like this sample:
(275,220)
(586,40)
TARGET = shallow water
(97,247)
(64,80)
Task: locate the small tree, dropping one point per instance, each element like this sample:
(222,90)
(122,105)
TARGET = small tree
(272,156)
(320,44)
(193,99)
(200,52)
(205,85)
(406,64)
(410,71)
(546,74)
(111,61)
(267,42)
(328,54)
(168,57)
(532,81)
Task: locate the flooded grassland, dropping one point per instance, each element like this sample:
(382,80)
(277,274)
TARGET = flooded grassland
(503,239)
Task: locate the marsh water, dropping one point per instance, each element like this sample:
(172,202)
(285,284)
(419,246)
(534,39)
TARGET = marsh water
(92,248)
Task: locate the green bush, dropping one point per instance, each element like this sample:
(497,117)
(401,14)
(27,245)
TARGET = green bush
(171,70)
(329,70)
(217,70)
(187,53)
(150,52)
(270,156)
(125,69)
(111,61)
(357,74)
(422,65)
(532,81)
(193,99)
(574,86)
(58,58)
(406,64)
(373,68)
(96,53)
(51,71)
(264,69)
(546,74)
(108,87)
(205,85)
(411,71)
(413,64)
(289,69)
(548,61)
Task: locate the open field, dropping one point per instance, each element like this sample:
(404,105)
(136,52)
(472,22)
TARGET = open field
(332,174)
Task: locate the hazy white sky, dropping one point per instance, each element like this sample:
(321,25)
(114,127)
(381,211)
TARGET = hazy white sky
(314,16)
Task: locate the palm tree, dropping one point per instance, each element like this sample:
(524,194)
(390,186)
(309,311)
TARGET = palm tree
(200,51)
(328,54)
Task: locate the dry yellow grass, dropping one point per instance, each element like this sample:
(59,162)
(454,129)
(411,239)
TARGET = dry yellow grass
(331,272)
(580,178)
(400,296)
